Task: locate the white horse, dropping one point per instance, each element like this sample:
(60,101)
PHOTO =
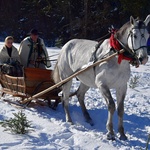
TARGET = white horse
(111,74)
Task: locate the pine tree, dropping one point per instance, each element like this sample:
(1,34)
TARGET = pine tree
(19,124)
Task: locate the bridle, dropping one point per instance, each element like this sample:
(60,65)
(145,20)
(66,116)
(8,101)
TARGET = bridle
(132,51)
(134,37)
(130,54)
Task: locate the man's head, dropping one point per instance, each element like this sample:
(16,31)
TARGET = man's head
(34,34)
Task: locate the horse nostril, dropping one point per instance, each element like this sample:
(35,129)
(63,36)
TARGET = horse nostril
(141,59)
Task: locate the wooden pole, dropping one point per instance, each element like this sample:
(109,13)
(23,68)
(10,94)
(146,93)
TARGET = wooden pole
(69,78)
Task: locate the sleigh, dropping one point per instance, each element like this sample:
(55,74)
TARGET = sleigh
(34,80)
(38,84)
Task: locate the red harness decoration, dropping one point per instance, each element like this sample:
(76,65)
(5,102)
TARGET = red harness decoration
(116,45)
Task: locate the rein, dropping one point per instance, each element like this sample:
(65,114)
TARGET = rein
(70,77)
(117,45)
(130,53)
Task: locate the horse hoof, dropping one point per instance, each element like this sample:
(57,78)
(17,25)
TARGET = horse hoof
(71,123)
(123,137)
(110,136)
(90,122)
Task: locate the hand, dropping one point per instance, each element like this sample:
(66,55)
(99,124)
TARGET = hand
(39,59)
(32,62)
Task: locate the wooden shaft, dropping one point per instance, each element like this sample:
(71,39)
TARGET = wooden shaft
(69,78)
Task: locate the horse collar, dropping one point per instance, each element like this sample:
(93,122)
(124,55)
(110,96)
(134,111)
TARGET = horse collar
(116,45)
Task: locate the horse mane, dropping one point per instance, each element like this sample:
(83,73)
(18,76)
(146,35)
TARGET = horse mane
(141,24)
(123,29)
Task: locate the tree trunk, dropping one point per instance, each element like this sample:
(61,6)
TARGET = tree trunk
(85,17)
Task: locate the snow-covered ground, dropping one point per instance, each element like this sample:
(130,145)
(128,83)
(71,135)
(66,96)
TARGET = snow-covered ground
(51,132)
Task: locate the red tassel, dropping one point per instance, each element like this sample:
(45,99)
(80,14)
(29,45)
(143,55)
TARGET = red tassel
(116,45)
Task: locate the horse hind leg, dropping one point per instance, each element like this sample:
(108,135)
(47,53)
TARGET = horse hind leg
(81,94)
(65,100)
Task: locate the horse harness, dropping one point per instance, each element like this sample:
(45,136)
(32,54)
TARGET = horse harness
(117,45)
(141,26)
(131,53)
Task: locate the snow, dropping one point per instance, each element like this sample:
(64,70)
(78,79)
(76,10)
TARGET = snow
(51,132)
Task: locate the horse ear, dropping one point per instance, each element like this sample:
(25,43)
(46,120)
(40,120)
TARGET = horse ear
(147,20)
(132,21)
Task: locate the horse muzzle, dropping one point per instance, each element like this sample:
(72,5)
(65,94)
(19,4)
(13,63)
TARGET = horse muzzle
(144,60)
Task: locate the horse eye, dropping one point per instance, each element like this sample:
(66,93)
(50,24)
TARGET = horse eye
(134,36)
(142,35)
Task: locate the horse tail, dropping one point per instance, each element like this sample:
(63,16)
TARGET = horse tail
(55,75)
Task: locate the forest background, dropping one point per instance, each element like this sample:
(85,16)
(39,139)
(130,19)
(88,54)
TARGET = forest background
(62,20)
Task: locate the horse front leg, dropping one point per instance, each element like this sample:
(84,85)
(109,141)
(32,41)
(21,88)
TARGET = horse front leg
(81,94)
(111,109)
(120,93)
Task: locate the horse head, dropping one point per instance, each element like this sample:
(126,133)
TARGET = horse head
(133,37)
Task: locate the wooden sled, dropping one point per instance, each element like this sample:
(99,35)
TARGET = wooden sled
(34,81)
